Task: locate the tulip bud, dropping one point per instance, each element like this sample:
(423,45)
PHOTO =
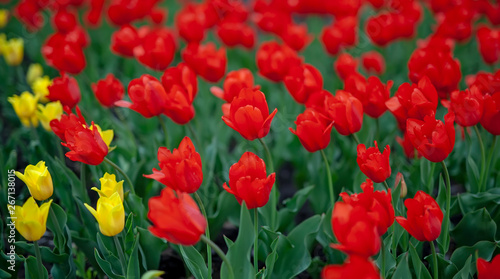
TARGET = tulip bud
(13,51)
(400,180)
(40,87)
(109,186)
(25,108)
(4,17)
(110,214)
(35,71)
(49,112)
(38,180)
(31,220)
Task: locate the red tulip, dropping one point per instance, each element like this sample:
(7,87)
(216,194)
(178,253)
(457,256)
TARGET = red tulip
(64,52)
(467,106)
(488,270)
(372,93)
(30,14)
(433,139)
(456,23)
(346,111)
(302,81)
(181,87)
(94,14)
(207,61)
(373,61)
(489,44)
(355,229)
(64,21)
(249,114)
(236,33)
(487,83)
(190,22)
(354,267)
(313,130)
(181,169)
(108,90)
(248,181)
(346,8)
(121,12)
(341,34)
(233,83)
(176,218)
(424,217)
(147,95)
(156,48)
(275,61)
(64,89)
(345,65)
(491,116)
(413,101)
(319,101)
(296,37)
(124,40)
(407,146)
(374,164)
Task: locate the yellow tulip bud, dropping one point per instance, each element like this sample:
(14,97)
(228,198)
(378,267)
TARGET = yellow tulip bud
(4,17)
(25,107)
(35,71)
(110,214)
(13,51)
(49,112)
(40,87)
(38,180)
(107,135)
(31,220)
(109,186)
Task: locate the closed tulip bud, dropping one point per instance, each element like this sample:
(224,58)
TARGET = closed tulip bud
(488,270)
(233,34)
(181,86)
(156,48)
(25,107)
(313,130)
(373,61)
(345,65)
(13,51)
(38,180)
(371,92)
(49,112)
(400,180)
(4,17)
(424,217)
(374,164)
(65,89)
(124,40)
(488,41)
(296,37)
(491,116)
(302,81)
(354,267)
(341,34)
(110,214)
(346,111)
(40,87)
(109,186)
(108,90)
(31,220)
(35,71)
(248,181)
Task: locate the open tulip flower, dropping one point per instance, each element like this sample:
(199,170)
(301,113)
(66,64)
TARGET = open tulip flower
(313,130)
(488,270)
(374,164)
(38,180)
(233,83)
(30,219)
(109,213)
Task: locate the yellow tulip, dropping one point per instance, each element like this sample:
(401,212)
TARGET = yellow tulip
(25,108)
(49,112)
(110,214)
(109,186)
(35,71)
(31,220)
(4,17)
(106,135)
(40,87)
(38,180)
(13,51)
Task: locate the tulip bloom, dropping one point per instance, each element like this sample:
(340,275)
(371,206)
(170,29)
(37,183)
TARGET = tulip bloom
(346,111)
(374,164)
(413,101)
(147,95)
(31,220)
(233,83)
(249,114)
(13,51)
(25,108)
(65,51)
(108,90)
(65,89)
(49,112)
(180,169)
(190,23)
(38,180)
(373,61)
(355,229)
(313,130)
(236,33)
(491,116)
(295,36)
(467,106)
(35,71)
(40,88)
(433,139)
(488,270)
(345,65)
(372,93)
(176,218)
(124,40)
(181,87)
(156,48)
(354,267)
(275,61)
(207,61)
(110,214)
(302,81)
(424,217)
(489,43)
(248,181)
(341,34)
(109,186)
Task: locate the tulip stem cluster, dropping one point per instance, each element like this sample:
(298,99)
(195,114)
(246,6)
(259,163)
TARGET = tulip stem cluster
(256,242)
(329,175)
(386,185)
(120,254)
(116,167)
(165,131)
(434,260)
(38,256)
(220,253)
(207,231)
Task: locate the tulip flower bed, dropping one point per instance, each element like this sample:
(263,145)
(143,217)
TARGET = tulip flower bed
(250,139)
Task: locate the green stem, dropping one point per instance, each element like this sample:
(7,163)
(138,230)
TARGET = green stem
(268,154)
(207,233)
(484,183)
(38,256)
(434,260)
(274,194)
(195,136)
(164,128)
(377,127)
(117,168)
(83,180)
(120,255)
(58,230)
(448,203)
(256,242)
(221,255)
(483,159)
(430,178)
(382,268)
(356,139)
(386,185)
(329,175)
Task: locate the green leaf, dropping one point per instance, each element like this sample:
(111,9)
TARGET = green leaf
(57,225)
(418,266)
(402,270)
(47,254)
(444,238)
(152,248)
(194,261)
(106,266)
(480,223)
(446,268)
(107,247)
(472,174)
(485,251)
(129,235)
(239,253)
(31,269)
(133,269)
(390,261)
(465,271)
(292,206)
(271,259)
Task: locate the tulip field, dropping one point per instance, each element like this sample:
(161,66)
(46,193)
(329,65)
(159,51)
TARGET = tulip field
(237,139)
